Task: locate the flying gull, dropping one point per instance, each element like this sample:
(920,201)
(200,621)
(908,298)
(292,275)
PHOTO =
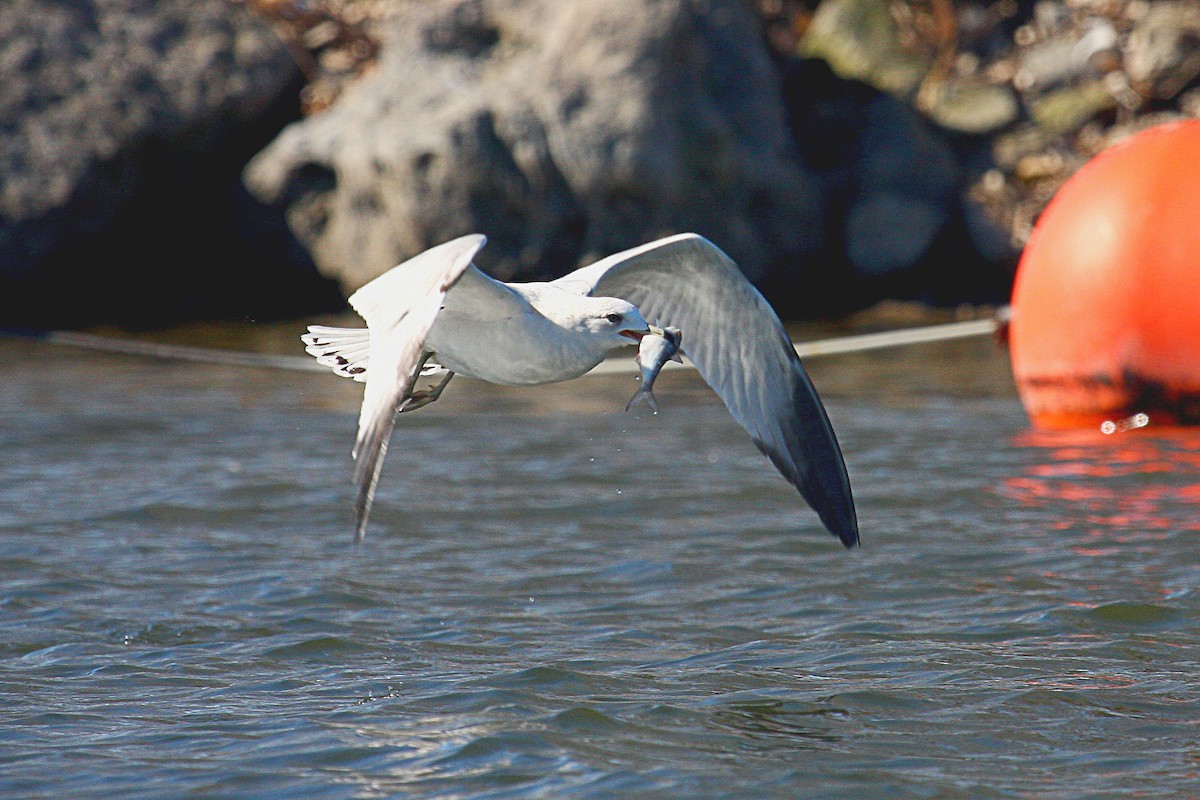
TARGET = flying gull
(437,315)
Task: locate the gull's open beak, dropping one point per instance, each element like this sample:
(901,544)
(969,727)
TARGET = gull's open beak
(637,335)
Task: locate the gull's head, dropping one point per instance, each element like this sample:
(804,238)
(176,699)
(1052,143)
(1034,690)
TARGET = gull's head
(615,321)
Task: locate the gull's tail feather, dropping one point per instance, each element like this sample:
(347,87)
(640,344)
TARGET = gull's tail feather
(344,350)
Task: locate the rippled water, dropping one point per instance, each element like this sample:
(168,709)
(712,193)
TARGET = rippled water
(560,600)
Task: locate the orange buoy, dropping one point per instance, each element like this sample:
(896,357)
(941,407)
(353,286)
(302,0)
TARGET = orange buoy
(1106,305)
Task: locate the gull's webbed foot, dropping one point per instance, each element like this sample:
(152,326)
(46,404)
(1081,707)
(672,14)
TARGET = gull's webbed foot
(419,398)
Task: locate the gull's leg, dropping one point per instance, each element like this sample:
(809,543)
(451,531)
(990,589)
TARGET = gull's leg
(423,397)
(417,373)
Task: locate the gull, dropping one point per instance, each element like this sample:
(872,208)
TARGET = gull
(437,315)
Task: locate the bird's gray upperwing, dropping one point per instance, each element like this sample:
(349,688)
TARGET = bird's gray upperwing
(742,351)
(478,295)
(400,306)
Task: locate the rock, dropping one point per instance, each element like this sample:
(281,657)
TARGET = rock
(1062,59)
(1066,110)
(898,223)
(1010,147)
(1163,51)
(859,39)
(1041,166)
(562,130)
(973,107)
(887,232)
(908,184)
(123,125)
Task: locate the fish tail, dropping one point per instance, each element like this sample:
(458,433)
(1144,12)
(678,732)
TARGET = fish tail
(643,395)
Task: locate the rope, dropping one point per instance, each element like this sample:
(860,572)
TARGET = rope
(857,343)
(175,352)
(212,355)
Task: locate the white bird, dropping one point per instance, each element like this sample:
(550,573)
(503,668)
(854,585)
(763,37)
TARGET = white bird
(437,315)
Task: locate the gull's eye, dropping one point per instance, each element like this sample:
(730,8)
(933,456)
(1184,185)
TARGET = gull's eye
(614,318)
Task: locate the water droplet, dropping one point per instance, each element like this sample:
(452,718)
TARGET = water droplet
(1138,420)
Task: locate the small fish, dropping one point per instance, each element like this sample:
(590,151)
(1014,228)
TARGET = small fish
(654,351)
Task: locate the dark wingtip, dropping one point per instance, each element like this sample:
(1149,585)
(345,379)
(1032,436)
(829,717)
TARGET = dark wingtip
(829,493)
(826,487)
(362,510)
(844,527)
(821,474)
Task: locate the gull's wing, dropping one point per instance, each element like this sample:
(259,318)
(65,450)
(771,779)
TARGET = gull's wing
(742,351)
(400,307)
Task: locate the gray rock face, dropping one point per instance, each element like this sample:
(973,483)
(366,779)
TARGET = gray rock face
(562,130)
(118,119)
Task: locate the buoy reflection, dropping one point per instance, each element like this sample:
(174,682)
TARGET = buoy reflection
(1117,489)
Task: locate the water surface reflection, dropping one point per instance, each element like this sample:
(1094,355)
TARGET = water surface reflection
(182,611)
(1137,486)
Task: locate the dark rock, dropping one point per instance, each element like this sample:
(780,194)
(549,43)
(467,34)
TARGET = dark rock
(123,128)
(898,223)
(562,130)
(908,183)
